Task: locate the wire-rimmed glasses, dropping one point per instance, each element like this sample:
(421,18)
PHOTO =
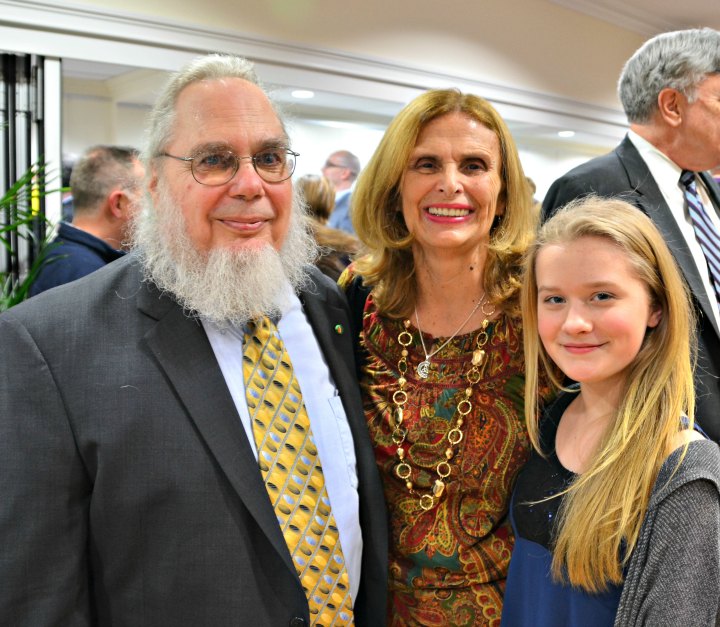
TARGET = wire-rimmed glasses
(217,166)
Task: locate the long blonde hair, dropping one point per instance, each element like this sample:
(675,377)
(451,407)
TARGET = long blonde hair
(378,219)
(600,517)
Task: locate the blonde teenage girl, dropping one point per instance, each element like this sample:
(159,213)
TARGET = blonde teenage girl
(617,512)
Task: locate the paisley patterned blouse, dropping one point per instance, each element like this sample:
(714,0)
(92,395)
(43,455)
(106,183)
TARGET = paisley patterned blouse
(447,564)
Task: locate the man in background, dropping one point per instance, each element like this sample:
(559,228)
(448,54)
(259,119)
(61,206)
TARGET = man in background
(342,169)
(670,90)
(106,185)
(182,440)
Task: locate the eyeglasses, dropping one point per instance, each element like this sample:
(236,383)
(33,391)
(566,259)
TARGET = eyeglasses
(333,165)
(217,167)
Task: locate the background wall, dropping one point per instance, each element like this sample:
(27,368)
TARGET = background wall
(546,65)
(534,45)
(93,118)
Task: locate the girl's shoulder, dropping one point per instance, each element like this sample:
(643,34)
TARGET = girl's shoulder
(695,458)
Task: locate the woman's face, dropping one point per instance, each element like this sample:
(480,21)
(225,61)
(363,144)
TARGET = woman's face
(451,187)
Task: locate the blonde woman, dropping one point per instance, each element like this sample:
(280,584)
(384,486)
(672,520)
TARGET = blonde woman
(443,207)
(617,512)
(336,247)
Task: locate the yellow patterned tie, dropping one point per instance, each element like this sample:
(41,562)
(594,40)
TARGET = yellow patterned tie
(290,467)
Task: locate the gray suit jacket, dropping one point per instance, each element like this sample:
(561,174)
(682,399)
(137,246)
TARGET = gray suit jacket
(130,494)
(623,173)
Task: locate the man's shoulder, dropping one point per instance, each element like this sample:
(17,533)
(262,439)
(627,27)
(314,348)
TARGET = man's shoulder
(596,169)
(114,283)
(605,175)
(321,286)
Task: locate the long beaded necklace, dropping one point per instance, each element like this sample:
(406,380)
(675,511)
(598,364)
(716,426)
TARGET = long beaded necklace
(454,435)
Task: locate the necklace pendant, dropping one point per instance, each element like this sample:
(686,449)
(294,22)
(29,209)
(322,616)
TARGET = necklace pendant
(423,369)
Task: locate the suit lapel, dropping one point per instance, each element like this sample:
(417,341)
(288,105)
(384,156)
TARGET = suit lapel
(183,351)
(331,326)
(653,203)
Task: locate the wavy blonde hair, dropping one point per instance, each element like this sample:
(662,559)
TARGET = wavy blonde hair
(319,195)
(377,207)
(601,515)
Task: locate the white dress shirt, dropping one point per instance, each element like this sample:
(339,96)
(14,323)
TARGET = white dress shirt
(667,177)
(328,421)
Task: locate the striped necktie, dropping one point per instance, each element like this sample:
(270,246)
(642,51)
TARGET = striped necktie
(290,467)
(705,232)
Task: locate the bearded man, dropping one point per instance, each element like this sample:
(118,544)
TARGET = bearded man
(181,436)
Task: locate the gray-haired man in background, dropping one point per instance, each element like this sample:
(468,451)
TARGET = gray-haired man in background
(342,169)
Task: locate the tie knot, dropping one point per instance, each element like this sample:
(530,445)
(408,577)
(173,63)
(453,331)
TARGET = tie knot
(261,328)
(687,178)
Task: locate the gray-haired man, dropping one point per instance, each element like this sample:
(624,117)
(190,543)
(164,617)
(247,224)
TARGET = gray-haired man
(182,440)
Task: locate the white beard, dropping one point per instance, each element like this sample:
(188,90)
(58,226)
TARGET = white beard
(227,287)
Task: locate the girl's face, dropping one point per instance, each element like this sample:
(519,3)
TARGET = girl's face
(593,310)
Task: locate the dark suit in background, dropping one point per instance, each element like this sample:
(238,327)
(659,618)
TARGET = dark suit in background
(73,254)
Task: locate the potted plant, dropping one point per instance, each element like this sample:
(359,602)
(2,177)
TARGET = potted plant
(20,207)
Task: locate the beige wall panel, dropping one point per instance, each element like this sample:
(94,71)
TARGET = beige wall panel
(543,47)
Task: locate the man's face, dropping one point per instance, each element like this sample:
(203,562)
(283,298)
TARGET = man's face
(246,212)
(335,172)
(699,132)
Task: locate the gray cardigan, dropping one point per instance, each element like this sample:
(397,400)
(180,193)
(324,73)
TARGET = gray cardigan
(673,577)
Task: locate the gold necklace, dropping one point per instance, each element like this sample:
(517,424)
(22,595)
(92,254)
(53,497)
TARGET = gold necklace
(454,436)
(423,368)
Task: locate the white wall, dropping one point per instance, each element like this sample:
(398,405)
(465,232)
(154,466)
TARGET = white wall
(315,141)
(533,45)
(89,120)
(545,164)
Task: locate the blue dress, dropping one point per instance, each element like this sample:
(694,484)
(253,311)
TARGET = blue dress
(532,597)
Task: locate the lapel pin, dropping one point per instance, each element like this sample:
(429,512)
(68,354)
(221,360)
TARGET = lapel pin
(339,329)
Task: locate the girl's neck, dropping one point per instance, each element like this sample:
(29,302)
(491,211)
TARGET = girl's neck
(584,425)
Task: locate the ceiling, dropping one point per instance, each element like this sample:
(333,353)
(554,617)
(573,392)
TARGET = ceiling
(647,17)
(650,17)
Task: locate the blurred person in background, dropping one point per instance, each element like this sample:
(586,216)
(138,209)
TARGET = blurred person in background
(341,169)
(107,186)
(336,247)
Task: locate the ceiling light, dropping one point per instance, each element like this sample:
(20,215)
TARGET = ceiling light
(566,133)
(302,94)
(335,124)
